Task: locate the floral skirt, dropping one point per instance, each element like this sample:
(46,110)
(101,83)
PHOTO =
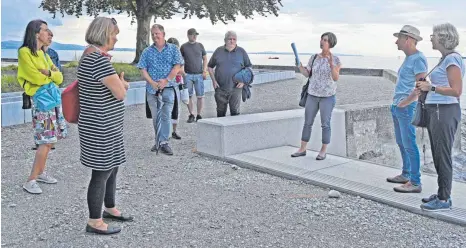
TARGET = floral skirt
(49,126)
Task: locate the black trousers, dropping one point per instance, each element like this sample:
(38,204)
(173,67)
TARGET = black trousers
(225,98)
(102,188)
(443,121)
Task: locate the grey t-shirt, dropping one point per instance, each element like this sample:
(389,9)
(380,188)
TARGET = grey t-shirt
(192,54)
(227,64)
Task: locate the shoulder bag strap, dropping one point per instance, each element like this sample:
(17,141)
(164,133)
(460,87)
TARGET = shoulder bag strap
(312,64)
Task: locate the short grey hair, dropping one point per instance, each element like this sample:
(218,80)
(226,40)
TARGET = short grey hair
(159,27)
(332,38)
(448,36)
(230,34)
(99,31)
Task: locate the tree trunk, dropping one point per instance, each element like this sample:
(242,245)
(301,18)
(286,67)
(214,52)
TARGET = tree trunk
(142,35)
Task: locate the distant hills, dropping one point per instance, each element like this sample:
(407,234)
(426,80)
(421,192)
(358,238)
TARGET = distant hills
(12,44)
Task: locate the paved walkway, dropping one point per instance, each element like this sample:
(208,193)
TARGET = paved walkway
(352,176)
(189,200)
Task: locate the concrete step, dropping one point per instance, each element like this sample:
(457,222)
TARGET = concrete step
(355,177)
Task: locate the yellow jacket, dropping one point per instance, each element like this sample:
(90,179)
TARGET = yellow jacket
(28,70)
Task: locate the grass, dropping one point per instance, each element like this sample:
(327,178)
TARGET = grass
(10,68)
(10,84)
(72,64)
(131,72)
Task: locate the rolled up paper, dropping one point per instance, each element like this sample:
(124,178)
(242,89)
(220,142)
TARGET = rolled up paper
(295,51)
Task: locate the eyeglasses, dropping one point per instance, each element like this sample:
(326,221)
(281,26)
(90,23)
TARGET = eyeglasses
(114,21)
(432,36)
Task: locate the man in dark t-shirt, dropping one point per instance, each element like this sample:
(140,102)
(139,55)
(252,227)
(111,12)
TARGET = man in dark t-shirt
(228,60)
(195,68)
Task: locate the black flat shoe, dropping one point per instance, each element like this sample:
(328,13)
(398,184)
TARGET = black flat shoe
(298,154)
(122,217)
(176,136)
(110,230)
(321,157)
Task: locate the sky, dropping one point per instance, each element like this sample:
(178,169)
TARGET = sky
(362,27)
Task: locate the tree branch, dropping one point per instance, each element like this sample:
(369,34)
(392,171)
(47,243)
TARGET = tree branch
(131,5)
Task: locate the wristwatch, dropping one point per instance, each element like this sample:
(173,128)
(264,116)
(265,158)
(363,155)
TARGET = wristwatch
(432,88)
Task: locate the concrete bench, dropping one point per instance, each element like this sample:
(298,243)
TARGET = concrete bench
(221,137)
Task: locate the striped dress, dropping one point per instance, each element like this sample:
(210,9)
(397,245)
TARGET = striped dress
(101,116)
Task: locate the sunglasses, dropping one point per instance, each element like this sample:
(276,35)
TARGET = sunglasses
(113,21)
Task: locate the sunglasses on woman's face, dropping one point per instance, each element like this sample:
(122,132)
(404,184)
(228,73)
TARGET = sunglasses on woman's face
(114,21)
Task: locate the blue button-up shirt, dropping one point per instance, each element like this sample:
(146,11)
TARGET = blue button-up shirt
(54,57)
(160,63)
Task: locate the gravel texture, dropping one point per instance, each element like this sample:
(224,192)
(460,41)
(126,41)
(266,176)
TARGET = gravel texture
(187,200)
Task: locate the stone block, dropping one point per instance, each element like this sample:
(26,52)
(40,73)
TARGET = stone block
(12,113)
(231,135)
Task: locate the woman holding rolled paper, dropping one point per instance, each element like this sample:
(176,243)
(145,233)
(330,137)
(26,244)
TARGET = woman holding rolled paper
(323,70)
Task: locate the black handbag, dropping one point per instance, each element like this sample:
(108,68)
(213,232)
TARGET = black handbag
(26,99)
(420,116)
(302,101)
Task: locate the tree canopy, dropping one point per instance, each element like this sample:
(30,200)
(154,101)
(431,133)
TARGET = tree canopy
(142,11)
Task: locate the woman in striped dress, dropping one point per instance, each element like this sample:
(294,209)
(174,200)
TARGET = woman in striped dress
(100,125)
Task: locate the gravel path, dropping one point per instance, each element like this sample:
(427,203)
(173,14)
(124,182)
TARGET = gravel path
(192,201)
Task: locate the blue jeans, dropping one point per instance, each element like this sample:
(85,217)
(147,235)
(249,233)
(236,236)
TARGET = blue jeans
(195,81)
(405,135)
(161,107)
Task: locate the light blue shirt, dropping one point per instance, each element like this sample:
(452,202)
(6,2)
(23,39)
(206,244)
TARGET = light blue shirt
(439,78)
(159,64)
(413,65)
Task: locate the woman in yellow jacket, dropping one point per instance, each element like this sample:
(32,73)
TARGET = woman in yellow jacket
(36,69)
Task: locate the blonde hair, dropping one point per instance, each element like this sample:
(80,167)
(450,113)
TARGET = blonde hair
(99,31)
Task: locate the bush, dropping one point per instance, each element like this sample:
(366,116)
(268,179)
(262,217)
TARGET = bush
(72,64)
(10,68)
(10,84)
(132,73)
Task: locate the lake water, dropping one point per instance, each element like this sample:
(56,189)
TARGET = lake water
(392,63)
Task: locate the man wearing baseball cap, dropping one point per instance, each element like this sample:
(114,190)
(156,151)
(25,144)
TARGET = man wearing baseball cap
(413,68)
(195,67)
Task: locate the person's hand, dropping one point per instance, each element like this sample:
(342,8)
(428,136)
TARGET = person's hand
(401,105)
(204,75)
(215,84)
(154,85)
(240,85)
(123,81)
(424,85)
(330,60)
(417,92)
(297,62)
(45,72)
(162,83)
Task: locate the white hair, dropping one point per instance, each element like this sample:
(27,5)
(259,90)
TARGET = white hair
(448,36)
(230,34)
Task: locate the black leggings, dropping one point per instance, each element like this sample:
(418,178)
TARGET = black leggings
(101,189)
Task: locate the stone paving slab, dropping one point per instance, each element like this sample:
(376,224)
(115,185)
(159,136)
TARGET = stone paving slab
(351,176)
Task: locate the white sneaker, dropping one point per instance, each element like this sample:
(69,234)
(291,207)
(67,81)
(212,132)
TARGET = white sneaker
(32,187)
(44,178)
